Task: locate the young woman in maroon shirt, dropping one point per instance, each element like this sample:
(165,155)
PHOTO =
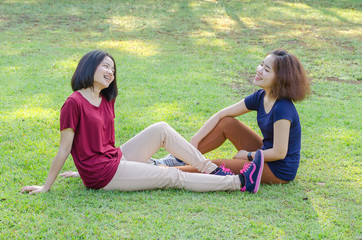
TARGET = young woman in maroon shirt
(87,132)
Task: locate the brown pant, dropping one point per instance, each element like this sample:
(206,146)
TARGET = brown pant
(243,138)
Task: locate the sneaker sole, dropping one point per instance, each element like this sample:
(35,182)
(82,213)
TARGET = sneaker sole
(260,172)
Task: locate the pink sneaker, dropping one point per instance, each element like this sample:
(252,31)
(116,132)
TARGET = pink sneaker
(252,173)
(222,171)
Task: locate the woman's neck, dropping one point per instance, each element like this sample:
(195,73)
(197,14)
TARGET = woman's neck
(91,93)
(268,93)
(268,101)
(92,96)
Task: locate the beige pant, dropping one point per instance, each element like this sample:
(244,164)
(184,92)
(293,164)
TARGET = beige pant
(134,173)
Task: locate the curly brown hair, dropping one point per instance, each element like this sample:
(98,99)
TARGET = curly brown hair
(290,79)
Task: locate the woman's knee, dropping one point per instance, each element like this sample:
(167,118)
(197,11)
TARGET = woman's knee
(228,125)
(160,126)
(228,121)
(161,129)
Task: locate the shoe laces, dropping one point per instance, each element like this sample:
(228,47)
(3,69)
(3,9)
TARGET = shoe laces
(167,162)
(226,170)
(245,168)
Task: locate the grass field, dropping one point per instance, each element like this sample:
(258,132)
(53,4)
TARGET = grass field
(180,62)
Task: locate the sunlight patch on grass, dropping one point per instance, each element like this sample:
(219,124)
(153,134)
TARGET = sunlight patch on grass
(196,4)
(351,32)
(350,15)
(65,64)
(249,22)
(207,38)
(319,208)
(160,110)
(9,69)
(302,12)
(220,24)
(211,42)
(33,112)
(297,5)
(130,23)
(296,33)
(7,49)
(255,50)
(343,136)
(136,47)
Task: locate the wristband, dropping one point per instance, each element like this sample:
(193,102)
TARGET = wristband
(250,158)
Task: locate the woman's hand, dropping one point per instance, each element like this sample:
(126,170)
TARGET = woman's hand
(68,174)
(33,189)
(66,141)
(242,154)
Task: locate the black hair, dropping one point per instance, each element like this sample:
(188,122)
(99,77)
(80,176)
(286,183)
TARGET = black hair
(83,76)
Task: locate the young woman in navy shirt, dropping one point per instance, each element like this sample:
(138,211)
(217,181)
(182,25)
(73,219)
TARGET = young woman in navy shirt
(282,80)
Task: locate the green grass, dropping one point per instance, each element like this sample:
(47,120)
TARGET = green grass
(180,62)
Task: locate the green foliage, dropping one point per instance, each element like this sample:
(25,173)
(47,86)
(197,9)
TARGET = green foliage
(180,62)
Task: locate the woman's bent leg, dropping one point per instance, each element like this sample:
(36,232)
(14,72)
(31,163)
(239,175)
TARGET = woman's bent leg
(268,176)
(135,176)
(243,138)
(240,135)
(145,144)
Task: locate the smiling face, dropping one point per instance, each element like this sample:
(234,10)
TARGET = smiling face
(104,74)
(265,74)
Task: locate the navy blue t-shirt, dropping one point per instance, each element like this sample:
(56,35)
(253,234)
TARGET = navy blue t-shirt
(285,169)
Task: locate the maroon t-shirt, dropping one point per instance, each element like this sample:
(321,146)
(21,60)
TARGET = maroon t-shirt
(93,150)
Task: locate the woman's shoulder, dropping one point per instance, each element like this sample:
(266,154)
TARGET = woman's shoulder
(259,92)
(74,99)
(254,100)
(255,96)
(76,96)
(285,105)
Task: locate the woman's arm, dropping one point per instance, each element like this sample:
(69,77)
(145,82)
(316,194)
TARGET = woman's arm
(66,141)
(280,143)
(234,110)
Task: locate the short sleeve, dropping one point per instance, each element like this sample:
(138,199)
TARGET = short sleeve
(284,110)
(69,115)
(252,101)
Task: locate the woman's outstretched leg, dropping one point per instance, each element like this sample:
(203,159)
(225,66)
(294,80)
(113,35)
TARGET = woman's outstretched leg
(135,176)
(145,144)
